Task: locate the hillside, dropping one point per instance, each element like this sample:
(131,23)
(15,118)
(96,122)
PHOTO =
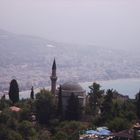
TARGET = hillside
(29,59)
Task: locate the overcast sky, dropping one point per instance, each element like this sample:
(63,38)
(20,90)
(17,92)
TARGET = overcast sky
(114,23)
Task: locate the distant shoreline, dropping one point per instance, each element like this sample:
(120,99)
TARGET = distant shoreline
(98,81)
(129,86)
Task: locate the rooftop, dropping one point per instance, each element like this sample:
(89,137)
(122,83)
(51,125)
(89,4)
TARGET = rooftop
(72,86)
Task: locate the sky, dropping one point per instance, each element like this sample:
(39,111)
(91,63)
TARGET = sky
(113,23)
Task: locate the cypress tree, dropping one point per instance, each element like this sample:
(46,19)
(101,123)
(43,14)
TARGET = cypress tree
(107,105)
(60,106)
(73,109)
(14,91)
(138,104)
(95,98)
(32,93)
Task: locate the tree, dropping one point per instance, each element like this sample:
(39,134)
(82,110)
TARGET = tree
(32,93)
(60,105)
(107,105)
(3,97)
(60,136)
(13,135)
(4,103)
(118,124)
(116,109)
(3,132)
(70,129)
(27,130)
(95,98)
(45,107)
(138,104)
(9,134)
(73,109)
(44,135)
(14,91)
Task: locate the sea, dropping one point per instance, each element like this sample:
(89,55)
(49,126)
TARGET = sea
(128,87)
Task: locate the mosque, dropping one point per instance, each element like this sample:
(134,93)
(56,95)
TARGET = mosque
(67,88)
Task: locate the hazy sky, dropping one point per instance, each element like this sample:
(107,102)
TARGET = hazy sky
(114,23)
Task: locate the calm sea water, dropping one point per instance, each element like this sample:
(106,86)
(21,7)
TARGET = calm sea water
(124,86)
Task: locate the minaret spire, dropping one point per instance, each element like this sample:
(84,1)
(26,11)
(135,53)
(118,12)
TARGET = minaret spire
(53,78)
(54,65)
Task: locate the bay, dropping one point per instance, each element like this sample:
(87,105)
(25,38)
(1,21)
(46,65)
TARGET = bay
(128,87)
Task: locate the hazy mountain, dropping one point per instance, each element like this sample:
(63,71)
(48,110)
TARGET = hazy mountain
(21,48)
(29,59)
(113,23)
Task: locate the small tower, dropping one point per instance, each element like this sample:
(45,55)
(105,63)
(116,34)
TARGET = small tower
(53,78)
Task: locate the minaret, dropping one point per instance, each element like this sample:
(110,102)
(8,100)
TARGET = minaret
(53,78)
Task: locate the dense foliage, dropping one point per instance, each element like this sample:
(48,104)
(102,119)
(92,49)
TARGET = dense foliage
(73,110)
(60,111)
(43,117)
(95,98)
(45,107)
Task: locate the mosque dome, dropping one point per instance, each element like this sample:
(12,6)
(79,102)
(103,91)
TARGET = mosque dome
(71,87)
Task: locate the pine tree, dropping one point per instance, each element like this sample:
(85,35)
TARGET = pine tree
(60,105)
(95,98)
(107,105)
(14,91)
(138,104)
(45,107)
(3,97)
(73,109)
(32,93)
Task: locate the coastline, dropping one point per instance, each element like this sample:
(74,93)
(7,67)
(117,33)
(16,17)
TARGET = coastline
(129,86)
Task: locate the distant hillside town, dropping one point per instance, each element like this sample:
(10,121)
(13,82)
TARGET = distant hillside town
(75,62)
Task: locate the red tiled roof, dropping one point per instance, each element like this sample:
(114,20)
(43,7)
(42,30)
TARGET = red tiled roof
(15,109)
